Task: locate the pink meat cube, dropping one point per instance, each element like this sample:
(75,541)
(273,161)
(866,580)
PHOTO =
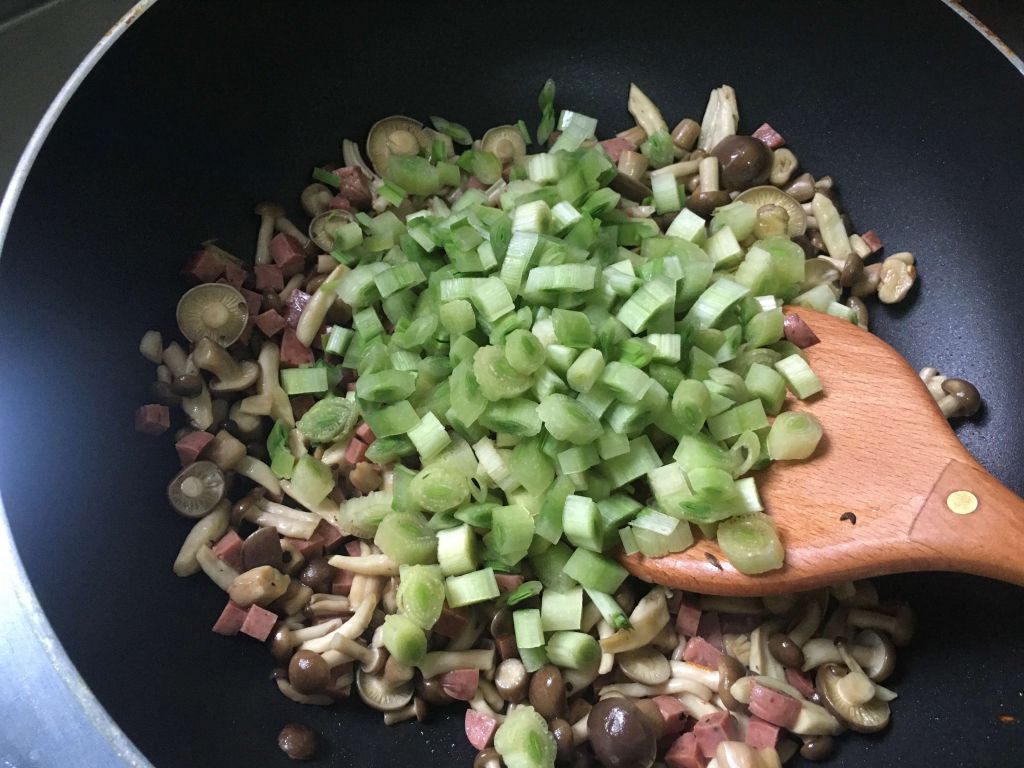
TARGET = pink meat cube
(253,301)
(342,583)
(684,753)
(352,548)
(872,241)
(310,549)
(615,147)
(461,684)
(364,433)
(297,302)
(761,734)
(229,549)
(700,651)
(480,728)
(769,136)
(259,623)
(287,253)
(355,451)
(234,274)
(270,323)
(268,277)
(330,535)
(340,203)
(777,708)
(688,618)
(152,419)
(231,620)
(508,581)
(191,445)
(293,352)
(204,266)
(800,681)
(711,730)
(673,716)
(475,183)
(451,623)
(354,187)
(710,628)
(507,648)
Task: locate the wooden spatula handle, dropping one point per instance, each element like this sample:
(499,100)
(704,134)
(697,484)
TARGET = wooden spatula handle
(972,523)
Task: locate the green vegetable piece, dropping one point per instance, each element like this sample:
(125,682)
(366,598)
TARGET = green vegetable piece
(328,420)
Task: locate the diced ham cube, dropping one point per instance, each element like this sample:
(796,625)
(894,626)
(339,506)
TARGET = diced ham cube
(259,623)
(508,581)
(354,187)
(353,548)
(229,549)
(710,628)
(480,728)
(330,535)
(774,706)
(800,681)
(342,583)
(673,716)
(761,734)
(451,622)
(355,451)
(364,433)
(191,445)
(700,651)
(475,183)
(872,241)
(340,203)
(293,352)
(297,302)
(615,147)
(234,274)
(270,323)
(287,253)
(231,620)
(711,730)
(688,618)
(769,136)
(205,266)
(684,753)
(461,684)
(253,301)
(310,549)
(507,648)
(268,277)
(152,419)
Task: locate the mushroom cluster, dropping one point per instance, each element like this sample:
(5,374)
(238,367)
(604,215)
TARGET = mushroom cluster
(301,514)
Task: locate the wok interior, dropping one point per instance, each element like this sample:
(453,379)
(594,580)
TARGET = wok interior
(199,112)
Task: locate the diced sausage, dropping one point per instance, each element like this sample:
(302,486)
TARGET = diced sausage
(480,728)
(354,187)
(508,581)
(152,419)
(684,753)
(451,622)
(287,253)
(205,266)
(769,136)
(234,274)
(507,648)
(330,535)
(688,618)
(872,241)
(297,302)
(231,620)
(352,548)
(700,651)
(253,301)
(364,433)
(268,277)
(774,706)
(229,549)
(800,681)
(461,684)
(293,352)
(270,323)
(340,203)
(310,549)
(342,583)
(798,332)
(761,734)
(191,445)
(711,730)
(355,451)
(673,716)
(615,147)
(259,622)
(710,628)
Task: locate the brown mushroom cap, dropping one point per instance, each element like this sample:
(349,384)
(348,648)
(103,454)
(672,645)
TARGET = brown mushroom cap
(262,548)
(630,188)
(213,310)
(308,672)
(620,734)
(729,670)
(375,691)
(318,574)
(967,396)
(316,198)
(297,741)
(769,195)
(547,692)
(196,489)
(432,691)
(868,717)
(271,210)
(744,161)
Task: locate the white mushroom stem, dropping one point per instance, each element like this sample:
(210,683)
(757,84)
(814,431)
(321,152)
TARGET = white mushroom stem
(491,695)
(259,473)
(329,605)
(368,565)
(351,649)
(294,523)
(495,191)
(680,170)
(317,699)
(353,157)
(325,508)
(580,732)
(263,238)
(206,531)
(738,646)
(294,283)
(720,118)
(703,675)
(479,703)
(282,224)
(674,687)
(270,383)
(695,706)
(604,629)
(177,361)
(830,224)
(315,311)
(808,624)
(761,660)
(647,619)
(356,625)
(199,409)
(438,662)
(708,170)
(643,110)
(152,347)
(220,573)
(298,636)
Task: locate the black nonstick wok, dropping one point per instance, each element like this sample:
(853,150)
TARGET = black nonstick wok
(204,108)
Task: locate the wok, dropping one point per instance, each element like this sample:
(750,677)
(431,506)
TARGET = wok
(202,109)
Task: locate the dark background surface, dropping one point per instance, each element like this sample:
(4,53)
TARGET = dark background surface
(198,112)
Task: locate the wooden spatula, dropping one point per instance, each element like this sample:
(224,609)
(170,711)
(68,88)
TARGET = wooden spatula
(920,501)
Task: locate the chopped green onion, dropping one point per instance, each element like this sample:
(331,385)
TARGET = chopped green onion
(576,129)
(457,317)
(406,538)
(572,328)
(751,542)
(573,650)
(328,420)
(386,386)
(687,226)
(767,385)
(610,610)
(649,299)
(511,533)
(405,641)
(531,467)
(429,437)
(458,133)
(299,381)
(659,150)
(799,377)
(522,593)
(585,370)
(414,174)
(457,550)
(471,588)
(420,595)
(628,383)
(748,417)
(666,193)
(546,102)
(439,488)
(594,571)
(528,627)
(794,436)
(561,610)
(581,523)
(495,377)
(566,419)
(720,296)
(524,351)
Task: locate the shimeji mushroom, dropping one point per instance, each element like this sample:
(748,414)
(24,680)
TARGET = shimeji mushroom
(620,734)
(359,621)
(737,646)
(214,310)
(371,660)
(784,163)
(720,118)
(288,690)
(955,397)
(367,565)
(762,662)
(152,347)
(379,693)
(438,662)
(288,521)
(395,135)
(416,709)
(897,277)
(196,489)
(738,754)
(315,312)
(259,473)
(801,188)
(646,666)
(230,375)
(220,573)
(766,195)
(206,531)
(900,627)
(707,197)
(646,620)
(270,384)
(809,621)
(324,228)
(512,680)
(258,586)
(744,162)
(286,639)
(284,225)
(268,213)
(315,199)
(851,697)
(830,225)
(709,678)
(807,719)
(329,605)
(850,266)
(672,687)
(506,142)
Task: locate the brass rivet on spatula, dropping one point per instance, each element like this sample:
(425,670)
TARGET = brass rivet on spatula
(962,502)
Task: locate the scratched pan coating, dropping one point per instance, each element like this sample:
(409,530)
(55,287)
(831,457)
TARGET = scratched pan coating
(202,109)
